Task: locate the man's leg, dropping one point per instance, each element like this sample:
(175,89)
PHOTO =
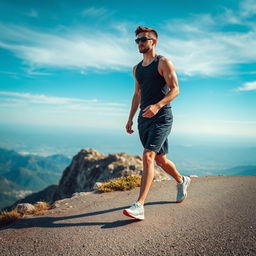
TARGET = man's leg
(148,174)
(136,210)
(182,181)
(168,166)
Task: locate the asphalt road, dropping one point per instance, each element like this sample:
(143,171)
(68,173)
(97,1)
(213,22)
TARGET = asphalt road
(217,218)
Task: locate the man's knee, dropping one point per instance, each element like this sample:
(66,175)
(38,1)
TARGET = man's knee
(149,156)
(160,160)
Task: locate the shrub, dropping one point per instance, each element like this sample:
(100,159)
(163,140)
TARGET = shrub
(120,184)
(42,206)
(7,217)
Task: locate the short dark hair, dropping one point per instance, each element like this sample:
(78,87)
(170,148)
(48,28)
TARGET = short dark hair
(140,29)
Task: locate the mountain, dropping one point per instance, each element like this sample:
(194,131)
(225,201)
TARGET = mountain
(88,167)
(21,175)
(30,171)
(9,192)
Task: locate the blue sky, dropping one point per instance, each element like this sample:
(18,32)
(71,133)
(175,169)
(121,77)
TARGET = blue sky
(69,63)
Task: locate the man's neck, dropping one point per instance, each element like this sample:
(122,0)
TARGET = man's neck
(149,56)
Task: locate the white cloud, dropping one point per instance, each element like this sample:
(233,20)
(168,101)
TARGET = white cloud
(60,104)
(74,50)
(229,17)
(197,47)
(92,11)
(39,109)
(44,99)
(247,8)
(249,86)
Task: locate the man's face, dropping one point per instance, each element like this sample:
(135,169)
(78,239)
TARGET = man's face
(145,46)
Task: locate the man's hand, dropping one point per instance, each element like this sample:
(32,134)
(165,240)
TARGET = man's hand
(150,111)
(129,126)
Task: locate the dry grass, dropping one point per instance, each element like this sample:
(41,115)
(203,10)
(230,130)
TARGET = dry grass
(121,184)
(7,217)
(42,206)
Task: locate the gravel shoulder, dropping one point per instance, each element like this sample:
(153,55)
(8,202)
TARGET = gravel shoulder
(217,218)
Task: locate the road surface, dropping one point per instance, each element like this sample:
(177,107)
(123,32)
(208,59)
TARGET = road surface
(217,218)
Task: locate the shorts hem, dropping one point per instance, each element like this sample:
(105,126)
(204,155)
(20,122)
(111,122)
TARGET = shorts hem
(157,152)
(151,150)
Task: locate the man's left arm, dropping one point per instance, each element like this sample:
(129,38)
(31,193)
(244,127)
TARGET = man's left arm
(166,69)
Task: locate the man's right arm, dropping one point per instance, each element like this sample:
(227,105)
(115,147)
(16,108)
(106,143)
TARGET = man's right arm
(135,104)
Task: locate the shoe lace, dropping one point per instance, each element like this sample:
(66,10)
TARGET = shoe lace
(135,205)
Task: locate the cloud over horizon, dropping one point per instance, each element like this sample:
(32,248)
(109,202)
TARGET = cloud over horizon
(248,86)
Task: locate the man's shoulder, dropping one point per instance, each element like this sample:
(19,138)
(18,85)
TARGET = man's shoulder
(164,61)
(135,67)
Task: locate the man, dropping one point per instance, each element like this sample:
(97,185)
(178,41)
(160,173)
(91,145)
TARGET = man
(156,86)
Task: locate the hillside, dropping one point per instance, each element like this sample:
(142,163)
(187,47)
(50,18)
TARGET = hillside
(9,192)
(21,175)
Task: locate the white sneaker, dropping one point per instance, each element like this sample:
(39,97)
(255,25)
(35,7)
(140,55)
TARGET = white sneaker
(136,211)
(182,189)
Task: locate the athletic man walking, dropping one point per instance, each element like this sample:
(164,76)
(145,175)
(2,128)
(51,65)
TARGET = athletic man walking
(156,86)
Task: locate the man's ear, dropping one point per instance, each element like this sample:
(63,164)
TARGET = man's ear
(154,41)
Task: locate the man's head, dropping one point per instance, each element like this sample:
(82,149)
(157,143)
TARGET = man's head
(146,38)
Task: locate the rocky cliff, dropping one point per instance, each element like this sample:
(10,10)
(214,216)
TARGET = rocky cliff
(88,167)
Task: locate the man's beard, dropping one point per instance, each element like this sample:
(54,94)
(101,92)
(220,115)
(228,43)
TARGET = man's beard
(144,50)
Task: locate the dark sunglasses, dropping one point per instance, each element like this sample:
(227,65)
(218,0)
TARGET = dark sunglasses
(143,39)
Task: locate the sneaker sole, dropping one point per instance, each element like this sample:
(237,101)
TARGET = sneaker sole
(129,215)
(180,201)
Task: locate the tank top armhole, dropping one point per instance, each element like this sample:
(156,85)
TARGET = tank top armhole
(159,57)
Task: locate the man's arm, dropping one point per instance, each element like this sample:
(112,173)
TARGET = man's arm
(166,69)
(135,104)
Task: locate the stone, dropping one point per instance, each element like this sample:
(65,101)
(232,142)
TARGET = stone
(25,208)
(97,185)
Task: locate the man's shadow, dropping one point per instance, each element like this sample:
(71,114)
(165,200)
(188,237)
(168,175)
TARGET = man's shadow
(49,222)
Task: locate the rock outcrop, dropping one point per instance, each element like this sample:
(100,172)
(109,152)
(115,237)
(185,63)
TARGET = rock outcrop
(25,208)
(87,169)
(90,166)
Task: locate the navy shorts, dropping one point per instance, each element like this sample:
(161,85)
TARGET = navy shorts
(154,131)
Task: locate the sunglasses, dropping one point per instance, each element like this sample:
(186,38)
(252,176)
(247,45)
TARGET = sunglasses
(143,39)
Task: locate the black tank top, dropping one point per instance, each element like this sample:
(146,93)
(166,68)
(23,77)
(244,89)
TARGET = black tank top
(153,87)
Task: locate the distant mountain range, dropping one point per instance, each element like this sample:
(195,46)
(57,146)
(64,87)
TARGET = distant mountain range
(21,175)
